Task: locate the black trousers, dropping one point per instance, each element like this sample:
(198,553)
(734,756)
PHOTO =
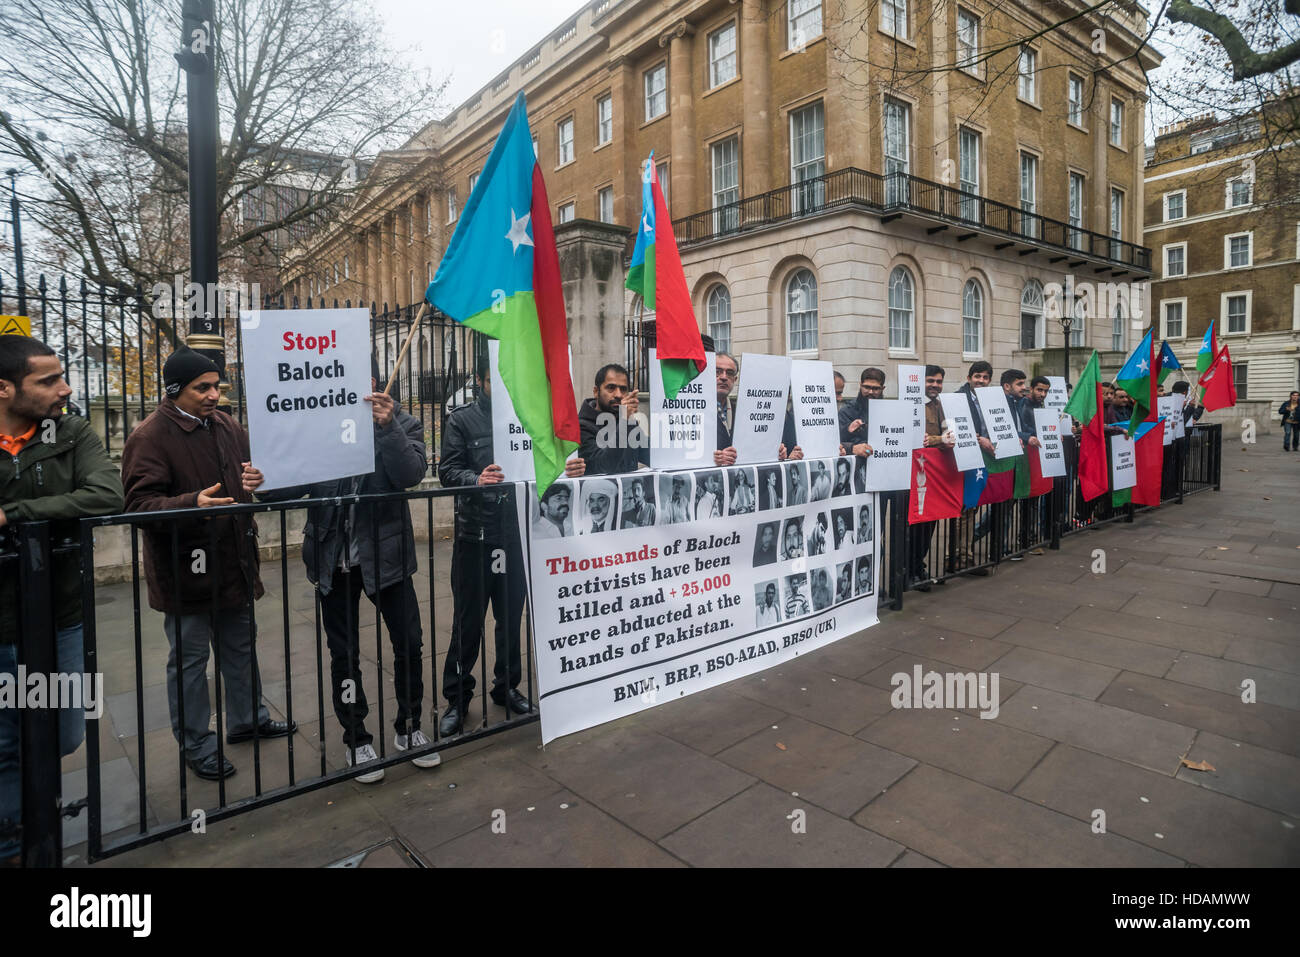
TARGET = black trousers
(479,576)
(340,614)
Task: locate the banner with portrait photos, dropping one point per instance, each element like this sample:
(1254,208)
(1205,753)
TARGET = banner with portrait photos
(652,585)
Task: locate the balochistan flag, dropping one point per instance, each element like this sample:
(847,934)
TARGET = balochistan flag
(1209,349)
(1030,482)
(501,276)
(1168,361)
(1138,379)
(656,275)
(936,486)
(973,487)
(1149,446)
(1086,405)
(1220,390)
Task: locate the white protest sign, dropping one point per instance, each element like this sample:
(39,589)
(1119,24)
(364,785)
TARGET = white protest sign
(816,417)
(959,421)
(1051,455)
(1057,395)
(760,407)
(305,372)
(1123,462)
(889,433)
(1180,423)
(998,420)
(512,449)
(626,616)
(1165,410)
(911,387)
(683,431)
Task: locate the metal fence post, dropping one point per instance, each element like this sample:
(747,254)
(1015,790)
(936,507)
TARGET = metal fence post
(1056,502)
(898,546)
(38,749)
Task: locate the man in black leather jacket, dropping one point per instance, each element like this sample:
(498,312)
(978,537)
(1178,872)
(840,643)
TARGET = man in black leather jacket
(487,562)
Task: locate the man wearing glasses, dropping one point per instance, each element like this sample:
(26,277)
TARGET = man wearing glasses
(855,413)
(728,373)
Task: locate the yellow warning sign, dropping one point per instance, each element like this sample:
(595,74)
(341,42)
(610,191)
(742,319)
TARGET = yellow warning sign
(15,326)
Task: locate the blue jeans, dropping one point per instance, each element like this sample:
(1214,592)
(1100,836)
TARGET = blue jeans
(72,730)
(1290,437)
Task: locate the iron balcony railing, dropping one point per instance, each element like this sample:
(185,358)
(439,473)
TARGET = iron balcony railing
(898,193)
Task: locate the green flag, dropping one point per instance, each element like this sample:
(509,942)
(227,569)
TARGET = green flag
(1083,401)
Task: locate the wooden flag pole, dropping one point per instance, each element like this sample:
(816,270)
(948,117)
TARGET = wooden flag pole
(406,346)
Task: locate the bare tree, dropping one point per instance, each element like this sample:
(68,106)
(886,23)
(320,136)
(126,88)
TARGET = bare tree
(94,101)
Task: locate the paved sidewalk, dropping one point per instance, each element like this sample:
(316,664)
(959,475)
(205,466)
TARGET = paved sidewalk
(1106,682)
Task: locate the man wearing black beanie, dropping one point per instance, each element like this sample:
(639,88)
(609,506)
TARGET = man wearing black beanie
(187,454)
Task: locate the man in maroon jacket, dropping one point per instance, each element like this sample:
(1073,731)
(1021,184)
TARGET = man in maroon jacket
(189,454)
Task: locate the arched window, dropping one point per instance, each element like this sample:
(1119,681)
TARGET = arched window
(901,312)
(972,318)
(1031,315)
(801,311)
(1117,328)
(719,312)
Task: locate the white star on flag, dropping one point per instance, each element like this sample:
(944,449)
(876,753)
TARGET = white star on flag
(518,234)
(1142,366)
(979,475)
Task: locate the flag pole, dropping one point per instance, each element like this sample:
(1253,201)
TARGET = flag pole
(406,346)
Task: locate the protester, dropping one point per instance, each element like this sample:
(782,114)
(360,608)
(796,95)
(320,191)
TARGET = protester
(612,441)
(855,413)
(186,454)
(60,473)
(1191,413)
(485,526)
(935,436)
(839,389)
(1038,389)
(370,548)
(1290,413)
(1020,404)
(727,373)
(979,374)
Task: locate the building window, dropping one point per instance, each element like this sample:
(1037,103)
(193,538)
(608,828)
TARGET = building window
(1028,88)
(1236,312)
(1116,223)
(1238,193)
(1116,123)
(801,311)
(901,311)
(1074,91)
(1078,325)
(661,170)
(605,201)
(722,55)
(564,135)
(428,217)
(1117,329)
(968,41)
(567,212)
(536,154)
(451,204)
(726,184)
(972,319)
(1031,315)
(968,148)
(893,17)
(336,274)
(1174,205)
(897,135)
(473,181)
(1076,210)
(1173,319)
(808,157)
(1239,379)
(604,119)
(1236,251)
(656,91)
(719,312)
(1029,194)
(1175,261)
(347,267)
(804,23)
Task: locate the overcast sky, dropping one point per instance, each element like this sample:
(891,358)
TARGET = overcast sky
(473,40)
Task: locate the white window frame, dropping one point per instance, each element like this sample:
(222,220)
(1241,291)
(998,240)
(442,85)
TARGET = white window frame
(473,181)
(892,12)
(1118,327)
(1227,193)
(897,190)
(1078,324)
(725,193)
(563,157)
(1116,136)
(1181,303)
(798,14)
(1250,250)
(1116,222)
(428,216)
(662,169)
(347,267)
(568,212)
(1243,390)
(1030,205)
(787,288)
(604,124)
(977,316)
(650,93)
(968,63)
(1027,83)
(1164,260)
(1164,205)
(717,63)
(909,348)
(1037,311)
(1078,224)
(813,195)
(451,204)
(604,200)
(1223,329)
(712,302)
(970,205)
(1074,111)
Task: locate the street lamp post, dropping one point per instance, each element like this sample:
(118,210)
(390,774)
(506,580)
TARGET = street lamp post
(1067,321)
(18,242)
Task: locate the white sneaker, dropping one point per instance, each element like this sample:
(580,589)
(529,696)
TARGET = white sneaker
(362,755)
(418,739)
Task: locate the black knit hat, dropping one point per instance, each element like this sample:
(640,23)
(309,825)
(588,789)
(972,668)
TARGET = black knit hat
(183,367)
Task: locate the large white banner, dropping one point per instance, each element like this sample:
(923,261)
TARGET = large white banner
(760,407)
(997,419)
(816,417)
(683,431)
(960,422)
(712,582)
(305,373)
(889,433)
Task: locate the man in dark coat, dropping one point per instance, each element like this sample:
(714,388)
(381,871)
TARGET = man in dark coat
(612,441)
(187,454)
(370,547)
